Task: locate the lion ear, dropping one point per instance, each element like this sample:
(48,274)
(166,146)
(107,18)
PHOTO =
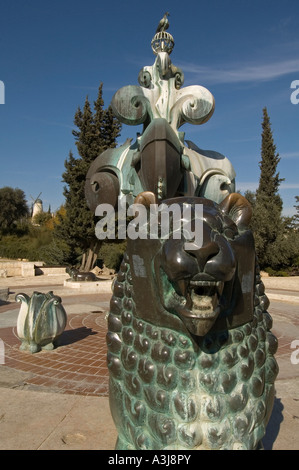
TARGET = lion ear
(238,209)
(146,198)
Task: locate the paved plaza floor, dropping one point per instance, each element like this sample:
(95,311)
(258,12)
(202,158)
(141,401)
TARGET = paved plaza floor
(59,399)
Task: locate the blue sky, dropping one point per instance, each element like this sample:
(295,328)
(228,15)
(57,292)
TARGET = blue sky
(55,53)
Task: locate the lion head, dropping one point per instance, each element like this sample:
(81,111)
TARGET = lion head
(198,288)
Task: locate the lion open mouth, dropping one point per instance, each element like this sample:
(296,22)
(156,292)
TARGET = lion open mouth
(203,298)
(196,301)
(202,305)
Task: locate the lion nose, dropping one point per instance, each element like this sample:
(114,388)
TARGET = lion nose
(205,253)
(215,259)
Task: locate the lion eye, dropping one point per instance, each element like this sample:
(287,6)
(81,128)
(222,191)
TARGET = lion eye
(230,232)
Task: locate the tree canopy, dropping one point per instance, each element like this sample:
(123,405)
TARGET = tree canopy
(296,216)
(276,245)
(13,207)
(97,130)
(269,181)
(267,219)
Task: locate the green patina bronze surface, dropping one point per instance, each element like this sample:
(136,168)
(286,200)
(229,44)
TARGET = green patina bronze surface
(190,351)
(41,321)
(160,160)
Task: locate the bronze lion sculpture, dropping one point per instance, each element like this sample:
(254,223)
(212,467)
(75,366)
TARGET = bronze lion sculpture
(80,276)
(190,352)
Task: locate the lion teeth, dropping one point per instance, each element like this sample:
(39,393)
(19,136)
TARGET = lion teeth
(202,302)
(209,288)
(206,283)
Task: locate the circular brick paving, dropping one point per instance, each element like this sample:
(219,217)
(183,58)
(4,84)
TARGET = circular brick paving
(77,365)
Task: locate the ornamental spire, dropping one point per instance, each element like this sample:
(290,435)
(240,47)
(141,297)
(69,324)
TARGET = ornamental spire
(161,93)
(162,41)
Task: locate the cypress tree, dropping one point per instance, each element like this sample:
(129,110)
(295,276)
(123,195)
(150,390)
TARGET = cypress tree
(92,137)
(269,177)
(296,216)
(267,219)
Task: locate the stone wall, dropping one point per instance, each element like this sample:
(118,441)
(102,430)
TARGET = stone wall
(10,268)
(49,270)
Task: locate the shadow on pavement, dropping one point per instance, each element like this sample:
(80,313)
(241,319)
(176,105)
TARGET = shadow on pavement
(273,427)
(72,336)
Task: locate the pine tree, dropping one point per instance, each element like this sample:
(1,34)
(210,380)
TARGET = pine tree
(92,137)
(267,220)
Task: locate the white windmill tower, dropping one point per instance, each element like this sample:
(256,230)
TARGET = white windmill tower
(37,206)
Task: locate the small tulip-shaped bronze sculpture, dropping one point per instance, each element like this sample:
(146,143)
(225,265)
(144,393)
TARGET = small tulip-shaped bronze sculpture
(41,321)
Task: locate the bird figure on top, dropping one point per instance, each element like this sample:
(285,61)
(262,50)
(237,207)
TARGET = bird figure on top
(163,24)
